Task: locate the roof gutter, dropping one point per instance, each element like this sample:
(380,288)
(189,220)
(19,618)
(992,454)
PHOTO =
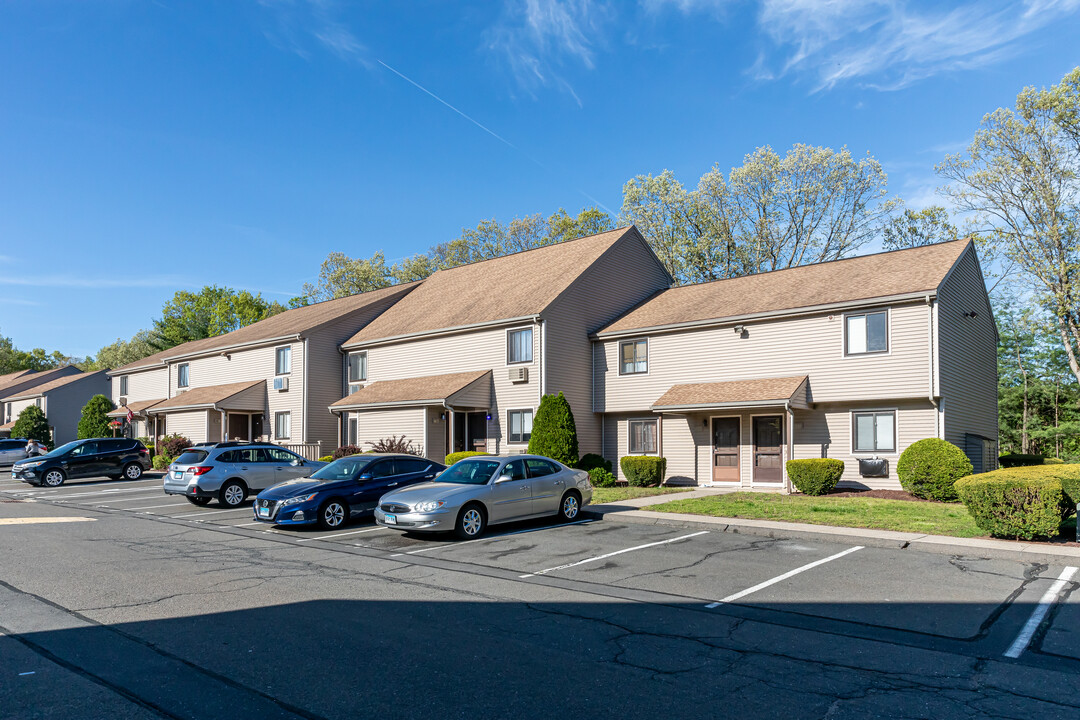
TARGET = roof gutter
(207,353)
(793,312)
(395,404)
(440,332)
(736,404)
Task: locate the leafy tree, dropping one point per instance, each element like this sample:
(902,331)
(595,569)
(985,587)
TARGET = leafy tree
(32,425)
(554,432)
(341,276)
(13,360)
(94,422)
(121,352)
(917,228)
(210,312)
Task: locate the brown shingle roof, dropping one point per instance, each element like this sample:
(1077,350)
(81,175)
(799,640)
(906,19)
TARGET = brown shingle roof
(732,392)
(135,407)
(45,387)
(290,322)
(209,395)
(5,379)
(860,278)
(431,388)
(503,288)
(8,426)
(24,376)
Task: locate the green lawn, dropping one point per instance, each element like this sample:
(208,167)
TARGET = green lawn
(615,494)
(902,515)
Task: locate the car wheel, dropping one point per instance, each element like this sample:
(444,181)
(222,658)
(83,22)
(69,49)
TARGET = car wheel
(232,493)
(54,478)
(133,471)
(470,522)
(200,501)
(333,515)
(569,507)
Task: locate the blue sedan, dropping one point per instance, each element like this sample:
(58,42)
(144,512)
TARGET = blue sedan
(344,488)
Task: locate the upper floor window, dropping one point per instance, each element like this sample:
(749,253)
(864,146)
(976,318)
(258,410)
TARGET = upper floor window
(123,384)
(873,431)
(519,346)
(357,367)
(867,333)
(283,361)
(182,375)
(633,357)
(643,436)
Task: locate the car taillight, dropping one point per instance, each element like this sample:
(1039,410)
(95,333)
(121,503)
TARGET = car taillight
(144,451)
(201,470)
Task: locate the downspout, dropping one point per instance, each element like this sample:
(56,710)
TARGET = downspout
(790,443)
(930,365)
(543,356)
(224,427)
(304,398)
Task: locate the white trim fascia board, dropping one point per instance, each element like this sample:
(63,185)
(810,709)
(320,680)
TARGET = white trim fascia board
(769,315)
(780,403)
(389,340)
(165,361)
(160,365)
(380,406)
(185,408)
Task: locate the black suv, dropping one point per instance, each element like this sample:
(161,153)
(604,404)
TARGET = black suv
(109,457)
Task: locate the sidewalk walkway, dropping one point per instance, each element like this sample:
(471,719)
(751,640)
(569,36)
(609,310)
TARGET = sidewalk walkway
(632,511)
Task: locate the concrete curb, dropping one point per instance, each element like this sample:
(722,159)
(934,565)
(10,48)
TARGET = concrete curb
(941,544)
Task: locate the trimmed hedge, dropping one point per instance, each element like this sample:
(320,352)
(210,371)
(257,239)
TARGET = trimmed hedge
(599,477)
(454,457)
(1020,503)
(815,476)
(930,468)
(644,470)
(591,461)
(1020,460)
(1053,461)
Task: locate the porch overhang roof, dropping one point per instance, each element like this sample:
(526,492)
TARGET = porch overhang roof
(7,426)
(137,408)
(234,396)
(732,394)
(467,389)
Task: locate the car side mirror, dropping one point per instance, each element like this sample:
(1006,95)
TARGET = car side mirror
(504,478)
(364,477)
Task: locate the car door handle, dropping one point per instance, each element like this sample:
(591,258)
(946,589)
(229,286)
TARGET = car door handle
(525,488)
(391,485)
(560,482)
(428,477)
(243,468)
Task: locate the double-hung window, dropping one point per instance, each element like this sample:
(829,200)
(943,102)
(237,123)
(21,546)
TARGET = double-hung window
(643,434)
(867,333)
(519,346)
(182,375)
(123,384)
(519,423)
(633,357)
(282,425)
(357,370)
(873,432)
(283,361)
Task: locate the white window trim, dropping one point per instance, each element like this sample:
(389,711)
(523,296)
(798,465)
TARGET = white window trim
(888,333)
(348,358)
(278,350)
(648,364)
(188,383)
(654,420)
(875,453)
(276,416)
(518,410)
(784,452)
(506,353)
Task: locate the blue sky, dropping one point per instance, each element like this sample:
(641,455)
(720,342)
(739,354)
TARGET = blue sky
(147,147)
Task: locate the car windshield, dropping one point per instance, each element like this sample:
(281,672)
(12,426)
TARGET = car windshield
(191,457)
(345,468)
(64,449)
(469,472)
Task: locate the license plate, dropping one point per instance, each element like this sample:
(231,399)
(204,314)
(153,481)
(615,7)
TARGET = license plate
(390,519)
(264,512)
(177,474)
(14,476)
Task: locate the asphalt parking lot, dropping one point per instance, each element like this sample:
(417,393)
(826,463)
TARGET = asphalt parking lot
(862,598)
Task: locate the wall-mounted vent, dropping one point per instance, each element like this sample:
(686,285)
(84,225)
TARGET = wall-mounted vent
(281,383)
(519,375)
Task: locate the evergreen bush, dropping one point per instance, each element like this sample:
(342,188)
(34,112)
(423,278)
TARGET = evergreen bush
(644,470)
(1020,503)
(601,478)
(590,461)
(1020,460)
(815,476)
(32,425)
(94,422)
(554,433)
(930,468)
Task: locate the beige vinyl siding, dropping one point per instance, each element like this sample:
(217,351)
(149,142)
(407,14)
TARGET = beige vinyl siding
(812,345)
(968,356)
(477,394)
(374,425)
(477,350)
(436,435)
(145,385)
(191,425)
(17,406)
(247,365)
(622,277)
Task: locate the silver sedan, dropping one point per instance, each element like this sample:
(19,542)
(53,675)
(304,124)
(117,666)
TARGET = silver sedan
(480,491)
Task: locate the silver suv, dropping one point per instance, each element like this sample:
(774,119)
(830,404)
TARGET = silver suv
(229,471)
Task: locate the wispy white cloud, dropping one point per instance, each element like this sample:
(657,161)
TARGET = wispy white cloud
(540,39)
(18,301)
(78,281)
(302,26)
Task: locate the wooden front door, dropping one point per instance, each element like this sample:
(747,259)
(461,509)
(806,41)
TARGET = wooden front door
(725,441)
(769,449)
(238,427)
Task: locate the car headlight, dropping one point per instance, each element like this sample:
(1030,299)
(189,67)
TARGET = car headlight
(428,506)
(299,499)
(23,466)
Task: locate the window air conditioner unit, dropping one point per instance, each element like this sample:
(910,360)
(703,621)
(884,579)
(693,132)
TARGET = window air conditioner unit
(123,400)
(874,467)
(519,375)
(281,383)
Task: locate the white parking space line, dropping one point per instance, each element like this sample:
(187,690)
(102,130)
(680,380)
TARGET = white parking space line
(352,532)
(483,539)
(212,512)
(137,498)
(612,554)
(151,507)
(257,522)
(117,491)
(785,576)
(1048,599)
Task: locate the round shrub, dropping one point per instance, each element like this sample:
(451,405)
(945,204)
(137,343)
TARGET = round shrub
(644,470)
(162,462)
(32,425)
(1021,503)
(554,433)
(173,445)
(930,468)
(815,476)
(454,457)
(599,477)
(590,461)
